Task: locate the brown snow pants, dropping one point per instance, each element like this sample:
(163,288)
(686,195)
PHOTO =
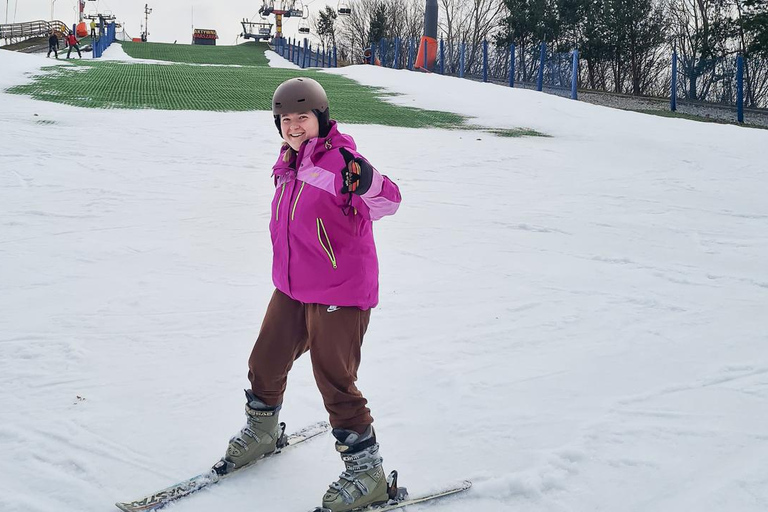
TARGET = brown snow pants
(333,339)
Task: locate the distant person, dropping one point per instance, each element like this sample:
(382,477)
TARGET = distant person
(93,30)
(53,45)
(73,43)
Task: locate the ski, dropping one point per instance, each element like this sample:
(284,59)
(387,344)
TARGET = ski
(399,497)
(217,473)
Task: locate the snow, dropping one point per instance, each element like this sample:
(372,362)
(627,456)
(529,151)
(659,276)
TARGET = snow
(277,61)
(574,322)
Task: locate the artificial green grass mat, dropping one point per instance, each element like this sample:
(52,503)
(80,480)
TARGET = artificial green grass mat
(109,84)
(246,54)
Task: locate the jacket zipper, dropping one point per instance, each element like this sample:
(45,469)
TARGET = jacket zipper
(277,210)
(328,250)
(295,203)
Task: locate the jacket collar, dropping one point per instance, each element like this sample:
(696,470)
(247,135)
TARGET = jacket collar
(311,149)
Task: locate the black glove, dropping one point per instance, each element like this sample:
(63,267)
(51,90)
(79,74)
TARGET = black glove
(357,174)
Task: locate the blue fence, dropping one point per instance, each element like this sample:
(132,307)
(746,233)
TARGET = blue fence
(537,66)
(106,38)
(303,55)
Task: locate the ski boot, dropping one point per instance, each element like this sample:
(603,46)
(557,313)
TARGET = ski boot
(260,436)
(363,483)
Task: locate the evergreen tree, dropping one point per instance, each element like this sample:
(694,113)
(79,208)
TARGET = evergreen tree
(325,26)
(379,24)
(756,23)
(529,22)
(634,28)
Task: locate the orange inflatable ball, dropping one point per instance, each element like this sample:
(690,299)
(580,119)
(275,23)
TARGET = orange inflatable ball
(82,29)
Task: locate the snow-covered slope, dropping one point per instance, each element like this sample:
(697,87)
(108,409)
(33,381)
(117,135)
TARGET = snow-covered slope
(574,322)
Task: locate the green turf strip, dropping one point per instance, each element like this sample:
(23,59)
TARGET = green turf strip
(247,54)
(109,84)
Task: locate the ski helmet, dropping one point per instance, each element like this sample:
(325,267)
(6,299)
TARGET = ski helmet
(301,95)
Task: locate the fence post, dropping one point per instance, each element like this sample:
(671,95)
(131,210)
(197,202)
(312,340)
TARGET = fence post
(485,60)
(461,59)
(673,92)
(740,88)
(442,57)
(309,59)
(410,54)
(512,65)
(335,59)
(426,58)
(575,75)
(383,52)
(396,59)
(542,57)
(373,54)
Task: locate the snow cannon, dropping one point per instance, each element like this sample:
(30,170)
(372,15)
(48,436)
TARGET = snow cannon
(426,59)
(431,45)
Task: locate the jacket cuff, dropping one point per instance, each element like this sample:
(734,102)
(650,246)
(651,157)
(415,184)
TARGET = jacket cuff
(377,182)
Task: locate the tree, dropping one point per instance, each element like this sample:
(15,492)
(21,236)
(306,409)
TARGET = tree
(635,29)
(701,30)
(379,24)
(325,26)
(756,24)
(373,20)
(527,23)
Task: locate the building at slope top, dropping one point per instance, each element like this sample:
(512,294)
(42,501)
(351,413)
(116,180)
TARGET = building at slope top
(204,36)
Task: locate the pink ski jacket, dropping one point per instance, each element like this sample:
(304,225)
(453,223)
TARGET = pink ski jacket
(322,240)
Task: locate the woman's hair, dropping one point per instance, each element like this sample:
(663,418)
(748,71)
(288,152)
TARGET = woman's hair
(289,153)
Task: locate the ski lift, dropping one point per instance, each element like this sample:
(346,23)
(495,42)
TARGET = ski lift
(255,30)
(304,24)
(266,9)
(344,9)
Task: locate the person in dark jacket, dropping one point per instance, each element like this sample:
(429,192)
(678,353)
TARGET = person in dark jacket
(53,45)
(73,43)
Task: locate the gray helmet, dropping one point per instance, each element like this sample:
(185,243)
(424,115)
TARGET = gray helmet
(299,95)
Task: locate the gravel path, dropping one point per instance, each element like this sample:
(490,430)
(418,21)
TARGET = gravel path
(707,111)
(721,113)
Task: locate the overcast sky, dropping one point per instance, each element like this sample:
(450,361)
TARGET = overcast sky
(171,20)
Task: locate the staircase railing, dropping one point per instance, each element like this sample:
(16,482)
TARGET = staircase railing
(26,30)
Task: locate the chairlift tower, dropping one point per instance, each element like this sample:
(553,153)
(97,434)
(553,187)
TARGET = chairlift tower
(147,12)
(280,9)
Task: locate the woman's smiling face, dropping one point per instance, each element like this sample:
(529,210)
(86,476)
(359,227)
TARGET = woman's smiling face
(296,128)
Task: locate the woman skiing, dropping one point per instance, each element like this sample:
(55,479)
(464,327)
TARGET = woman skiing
(325,271)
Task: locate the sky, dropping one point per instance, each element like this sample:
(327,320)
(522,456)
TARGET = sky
(171,20)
